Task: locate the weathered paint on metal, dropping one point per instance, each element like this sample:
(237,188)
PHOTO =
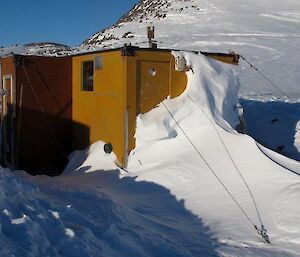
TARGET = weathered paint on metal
(42,126)
(123,88)
(102,109)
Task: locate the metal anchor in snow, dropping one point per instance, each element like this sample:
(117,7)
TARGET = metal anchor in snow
(263,233)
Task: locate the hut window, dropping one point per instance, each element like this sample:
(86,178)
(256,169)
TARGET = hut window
(88,76)
(98,62)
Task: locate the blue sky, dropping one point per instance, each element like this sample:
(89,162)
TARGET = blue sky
(63,21)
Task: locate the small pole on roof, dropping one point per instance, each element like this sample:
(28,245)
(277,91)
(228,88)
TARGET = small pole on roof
(150,32)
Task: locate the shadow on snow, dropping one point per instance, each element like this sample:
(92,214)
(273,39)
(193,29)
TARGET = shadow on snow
(273,124)
(109,217)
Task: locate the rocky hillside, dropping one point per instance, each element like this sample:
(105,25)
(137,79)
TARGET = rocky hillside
(41,48)
(266,32)
(146,12)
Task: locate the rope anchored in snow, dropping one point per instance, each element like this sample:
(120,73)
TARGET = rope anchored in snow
(262,232)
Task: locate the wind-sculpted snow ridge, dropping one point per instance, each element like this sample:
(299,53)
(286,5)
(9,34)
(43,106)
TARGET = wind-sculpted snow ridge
(164,156)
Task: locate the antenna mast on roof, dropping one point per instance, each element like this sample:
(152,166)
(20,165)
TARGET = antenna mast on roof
(150,32)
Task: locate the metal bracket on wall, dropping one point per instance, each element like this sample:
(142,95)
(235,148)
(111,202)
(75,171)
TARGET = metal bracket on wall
(128,50)
(19,61)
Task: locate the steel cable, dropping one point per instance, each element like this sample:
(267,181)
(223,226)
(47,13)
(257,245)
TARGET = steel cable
(208,165)
(230,157)
(265,77)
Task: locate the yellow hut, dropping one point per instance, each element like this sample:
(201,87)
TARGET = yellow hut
(111,87)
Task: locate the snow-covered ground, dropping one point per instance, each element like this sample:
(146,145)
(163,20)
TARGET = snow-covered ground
(169,201)
(274,124)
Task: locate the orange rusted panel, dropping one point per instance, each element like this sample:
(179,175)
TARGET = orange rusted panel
(39,100)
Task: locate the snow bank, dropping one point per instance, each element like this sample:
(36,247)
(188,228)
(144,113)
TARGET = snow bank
(214,86)
(207,113)
(172,162)
(168,202)
(95,214)
(287,163)
(27,224)
(90,159)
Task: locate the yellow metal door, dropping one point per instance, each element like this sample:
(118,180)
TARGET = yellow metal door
(153,85)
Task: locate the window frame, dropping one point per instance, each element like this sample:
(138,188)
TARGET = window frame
(85,87)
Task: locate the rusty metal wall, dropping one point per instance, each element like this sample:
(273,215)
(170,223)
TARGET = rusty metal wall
(43,124)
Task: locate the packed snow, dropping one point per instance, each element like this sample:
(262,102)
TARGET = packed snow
(167,202)
(274,124)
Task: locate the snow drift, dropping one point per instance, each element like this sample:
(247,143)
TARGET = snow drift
(167,202)
(173,163)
